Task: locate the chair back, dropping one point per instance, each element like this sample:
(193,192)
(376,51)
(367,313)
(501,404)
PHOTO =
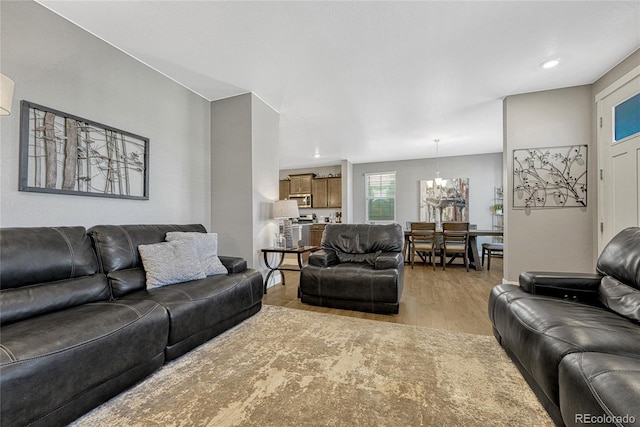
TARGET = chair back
(423,232)
(363,238)
(455,232)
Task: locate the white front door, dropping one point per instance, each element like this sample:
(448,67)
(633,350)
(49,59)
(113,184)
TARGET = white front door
(618,157)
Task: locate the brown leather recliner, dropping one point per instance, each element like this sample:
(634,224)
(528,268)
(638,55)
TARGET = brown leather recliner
(360,267)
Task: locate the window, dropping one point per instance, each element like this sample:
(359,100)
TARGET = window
(380,190)
(627,118)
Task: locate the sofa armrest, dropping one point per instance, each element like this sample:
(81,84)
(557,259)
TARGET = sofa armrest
(388,260)
(583,286)
(323,258)
(233,264)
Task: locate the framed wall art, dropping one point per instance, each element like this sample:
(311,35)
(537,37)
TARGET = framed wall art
(64,154)
(551,177)
(444,200)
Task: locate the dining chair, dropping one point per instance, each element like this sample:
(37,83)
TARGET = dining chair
(491,249)
(423,241)
(455,241)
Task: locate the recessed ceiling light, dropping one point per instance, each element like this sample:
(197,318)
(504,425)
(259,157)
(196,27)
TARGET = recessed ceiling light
(550,63)
(316,156)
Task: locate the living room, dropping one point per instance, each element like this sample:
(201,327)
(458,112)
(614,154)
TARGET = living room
(217,162)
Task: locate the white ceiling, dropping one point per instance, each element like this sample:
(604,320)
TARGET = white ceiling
(370,81)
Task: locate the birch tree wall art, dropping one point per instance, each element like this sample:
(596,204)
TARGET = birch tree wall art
(64,154)
(554,177)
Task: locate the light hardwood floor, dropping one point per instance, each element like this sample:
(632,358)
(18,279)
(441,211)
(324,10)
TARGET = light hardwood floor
(454,300)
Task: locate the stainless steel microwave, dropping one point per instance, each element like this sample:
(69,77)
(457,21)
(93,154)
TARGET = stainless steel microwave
(304,200)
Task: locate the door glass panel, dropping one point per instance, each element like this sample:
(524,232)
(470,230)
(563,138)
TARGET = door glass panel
(627,118)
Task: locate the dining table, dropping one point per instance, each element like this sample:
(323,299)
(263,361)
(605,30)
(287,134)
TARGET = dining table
(474,257)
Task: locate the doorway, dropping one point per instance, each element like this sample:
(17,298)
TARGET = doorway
(618,147)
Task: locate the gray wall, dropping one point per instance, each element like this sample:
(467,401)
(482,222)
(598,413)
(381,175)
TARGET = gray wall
(266,134)
(549,239)
(484,172)
(57,64)
(231,202)
(629,63)
(244,166)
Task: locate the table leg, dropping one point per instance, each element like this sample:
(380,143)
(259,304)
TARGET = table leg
(272,269)
(300,260)
(473,253)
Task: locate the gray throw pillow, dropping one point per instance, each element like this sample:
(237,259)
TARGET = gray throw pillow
(170,262)
(620,298)
(207,247)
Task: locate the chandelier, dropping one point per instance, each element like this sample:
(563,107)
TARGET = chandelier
(439,182)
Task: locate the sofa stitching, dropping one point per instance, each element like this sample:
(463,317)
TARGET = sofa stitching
(131,248)
(608,371)
(544,332)
(71,253)
(7,352)
(249,290)
(594,393)
(96,338)
(180,291)
(229,289)
(95,238)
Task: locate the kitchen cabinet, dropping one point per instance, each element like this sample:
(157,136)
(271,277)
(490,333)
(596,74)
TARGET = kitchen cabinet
(319,193)
(300,184)
(315,234)
(334,192)
(284,189)
(327,193)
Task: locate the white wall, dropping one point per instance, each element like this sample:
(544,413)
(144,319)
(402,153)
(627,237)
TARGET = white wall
(244,170)
(559,239)
(484,172)
(56,64)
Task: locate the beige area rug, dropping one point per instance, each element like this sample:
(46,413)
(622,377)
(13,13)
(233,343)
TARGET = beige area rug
(286,367)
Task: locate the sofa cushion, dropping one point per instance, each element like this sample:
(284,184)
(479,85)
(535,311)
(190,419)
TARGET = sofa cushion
(32,255)
(368,258)
(620,298)
(363,238)
(621,258)
(45,269)
(55,367)
(539,331)
(602,389)
(117,245)
(198,307)
(170,262)
(206,245)
(35,300)
(349,281)
(126,281)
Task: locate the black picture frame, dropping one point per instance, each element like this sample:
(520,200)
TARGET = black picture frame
(65,154)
